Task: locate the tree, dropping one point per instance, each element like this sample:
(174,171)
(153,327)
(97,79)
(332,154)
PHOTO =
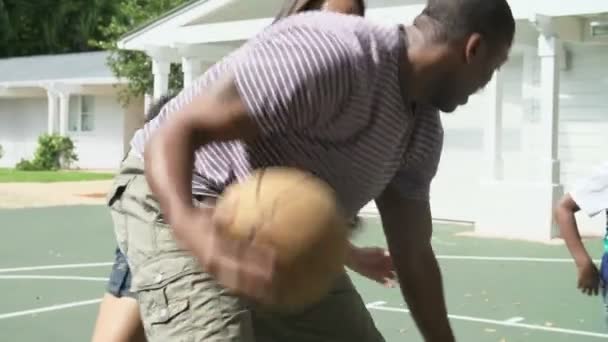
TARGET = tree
(136,66)
(51,26)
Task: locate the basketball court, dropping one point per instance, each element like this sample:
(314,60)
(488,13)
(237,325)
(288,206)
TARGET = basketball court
(52,277)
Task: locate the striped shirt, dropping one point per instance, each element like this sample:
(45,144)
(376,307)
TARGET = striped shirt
(325,91)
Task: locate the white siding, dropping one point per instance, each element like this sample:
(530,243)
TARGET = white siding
(455,190)
(23,120)
(102,148)
(584,120)
(584,112)
(583,136)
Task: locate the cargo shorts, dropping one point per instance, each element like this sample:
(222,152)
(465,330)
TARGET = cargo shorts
(179,301)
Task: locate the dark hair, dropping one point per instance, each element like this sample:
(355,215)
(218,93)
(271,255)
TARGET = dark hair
(455,19)
(157,106)
(296,6)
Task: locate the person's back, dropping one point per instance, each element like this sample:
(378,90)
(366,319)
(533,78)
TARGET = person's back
(364,138)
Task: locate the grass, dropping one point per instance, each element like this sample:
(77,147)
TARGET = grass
(16,176)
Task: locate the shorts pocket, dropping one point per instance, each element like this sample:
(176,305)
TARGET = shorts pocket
(165,311)
(118,188)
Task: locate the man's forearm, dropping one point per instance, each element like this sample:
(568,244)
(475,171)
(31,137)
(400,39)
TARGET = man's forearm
(169,160)
(422,287)
(408,227)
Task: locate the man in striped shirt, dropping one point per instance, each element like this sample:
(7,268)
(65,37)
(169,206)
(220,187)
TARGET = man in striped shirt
(351,101)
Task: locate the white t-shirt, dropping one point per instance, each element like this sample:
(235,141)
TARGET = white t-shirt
(591,194)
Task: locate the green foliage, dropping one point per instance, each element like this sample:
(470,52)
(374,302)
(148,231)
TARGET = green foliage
(136,66)
(52,26)
(63,26)
(53,153)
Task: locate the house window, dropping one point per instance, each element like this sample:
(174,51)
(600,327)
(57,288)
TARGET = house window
(81,117)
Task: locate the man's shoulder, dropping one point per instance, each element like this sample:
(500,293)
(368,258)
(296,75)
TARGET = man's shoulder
(345,26)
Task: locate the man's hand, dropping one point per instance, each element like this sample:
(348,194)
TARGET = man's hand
(408,228)
(374,263)
(588,279)
(245,268)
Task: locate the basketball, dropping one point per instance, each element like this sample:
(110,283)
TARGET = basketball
(298,215)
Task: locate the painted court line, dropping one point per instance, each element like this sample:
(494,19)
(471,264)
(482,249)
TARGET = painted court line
(514,320)
(55,267)
(444,257)
(506,323)
(53,277)
(375,304)
(49,308)
(488,258)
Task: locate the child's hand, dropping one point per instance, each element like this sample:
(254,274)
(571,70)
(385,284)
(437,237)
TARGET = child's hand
(589,279)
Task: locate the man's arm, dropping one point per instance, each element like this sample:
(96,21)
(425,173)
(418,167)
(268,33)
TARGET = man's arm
(271,88)
(218,115)
(408,228)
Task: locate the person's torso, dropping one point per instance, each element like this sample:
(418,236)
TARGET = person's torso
(357,152)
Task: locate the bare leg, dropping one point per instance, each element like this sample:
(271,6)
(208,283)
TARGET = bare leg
(118,321)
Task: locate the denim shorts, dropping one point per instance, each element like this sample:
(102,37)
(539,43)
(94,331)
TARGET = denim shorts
(119,284)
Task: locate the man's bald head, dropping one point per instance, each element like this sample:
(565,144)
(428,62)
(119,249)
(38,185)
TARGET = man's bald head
(449,20)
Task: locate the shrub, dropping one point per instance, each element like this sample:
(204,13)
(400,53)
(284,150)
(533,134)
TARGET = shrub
(54,152)
(26,165)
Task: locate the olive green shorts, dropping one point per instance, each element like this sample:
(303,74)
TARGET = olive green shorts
(181,302)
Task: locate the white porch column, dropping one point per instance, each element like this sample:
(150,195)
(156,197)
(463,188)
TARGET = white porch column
(548,52)
(160,69)
(53,100)
(522,208)
(64,109)
(530,119)
(148,100)
(192,68)
(493,131)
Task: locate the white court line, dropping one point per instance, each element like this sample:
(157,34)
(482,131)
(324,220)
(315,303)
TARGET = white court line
(487,258)
(445,257)
(374,304)
(49,308)
(503,323)
(514,320)
(55,267)
(51,277)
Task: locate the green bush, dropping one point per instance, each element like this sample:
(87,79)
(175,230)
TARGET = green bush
(26,165)
(54,152)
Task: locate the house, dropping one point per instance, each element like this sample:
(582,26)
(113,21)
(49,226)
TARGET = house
(510,153)
(70,94)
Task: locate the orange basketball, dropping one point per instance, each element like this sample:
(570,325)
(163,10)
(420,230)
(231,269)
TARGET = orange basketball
(298,214)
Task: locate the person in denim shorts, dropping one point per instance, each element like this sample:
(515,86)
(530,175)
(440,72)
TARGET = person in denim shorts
(118,317)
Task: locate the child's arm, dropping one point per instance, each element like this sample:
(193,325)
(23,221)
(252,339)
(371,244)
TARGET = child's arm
(591,197)
(588,276)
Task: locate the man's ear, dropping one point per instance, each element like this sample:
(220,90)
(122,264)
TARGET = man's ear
(472,47)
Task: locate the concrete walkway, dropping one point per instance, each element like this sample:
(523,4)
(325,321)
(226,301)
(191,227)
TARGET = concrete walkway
(25,195)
